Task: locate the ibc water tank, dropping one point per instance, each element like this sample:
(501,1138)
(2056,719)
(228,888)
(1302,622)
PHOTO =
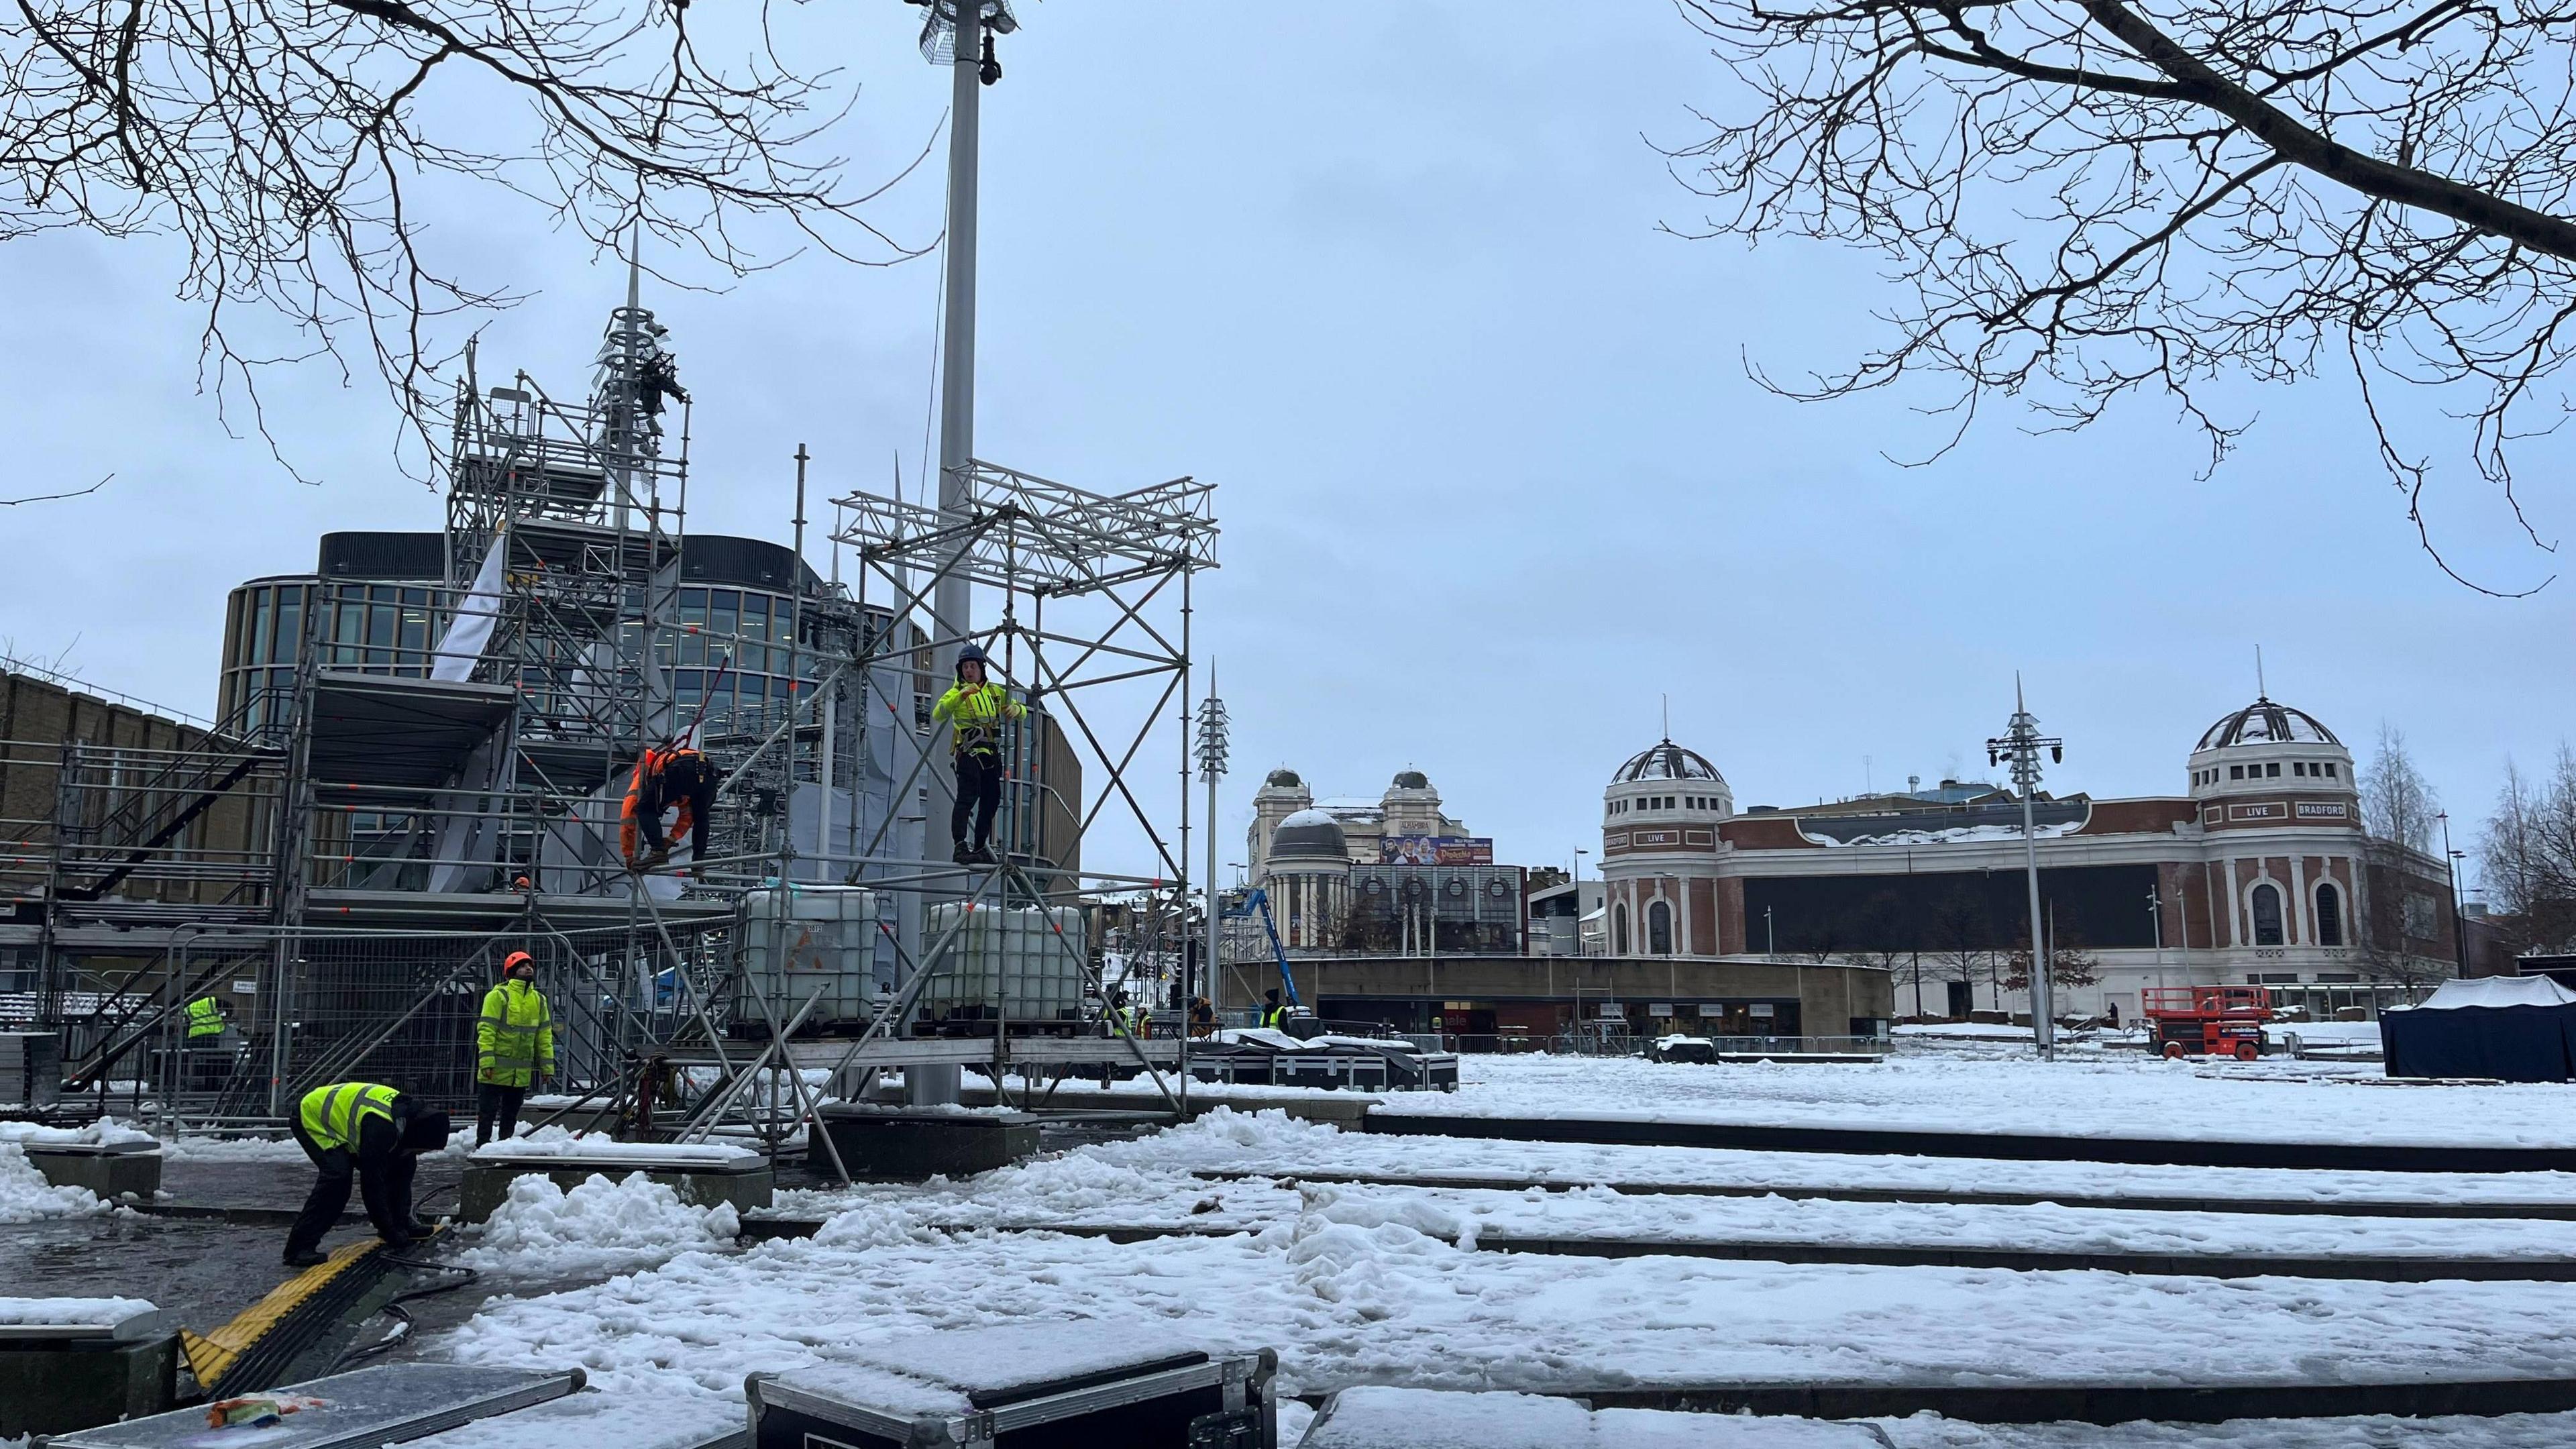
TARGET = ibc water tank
(798,939)
(1021,963)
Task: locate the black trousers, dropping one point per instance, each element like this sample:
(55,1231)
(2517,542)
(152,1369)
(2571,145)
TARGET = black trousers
(494,1103)
(338,1169)
(979,791)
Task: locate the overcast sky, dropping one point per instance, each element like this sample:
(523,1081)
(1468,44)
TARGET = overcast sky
(1494,482)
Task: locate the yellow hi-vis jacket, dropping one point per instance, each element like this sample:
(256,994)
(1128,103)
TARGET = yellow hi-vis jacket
(204,1019)
(332,1115)
(516,1037)
(977,711)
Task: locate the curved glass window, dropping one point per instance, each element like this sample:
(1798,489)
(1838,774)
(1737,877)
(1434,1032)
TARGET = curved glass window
(2329,914)
(2267,915)
(1659,928)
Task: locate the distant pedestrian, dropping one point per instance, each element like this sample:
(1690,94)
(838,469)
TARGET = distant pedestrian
(514,1046)
(373,1134)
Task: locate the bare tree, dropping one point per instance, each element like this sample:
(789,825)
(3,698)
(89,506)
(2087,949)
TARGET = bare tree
(2396,802)
(2069,964)
(2079,200)
(1960,952)
(1891,946)
(300,150)
(2529,854)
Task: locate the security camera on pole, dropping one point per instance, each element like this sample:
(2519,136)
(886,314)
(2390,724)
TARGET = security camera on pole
(2022,742)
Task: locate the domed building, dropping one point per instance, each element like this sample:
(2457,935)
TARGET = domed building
(2258,873)
(1309,879)
(1403,824)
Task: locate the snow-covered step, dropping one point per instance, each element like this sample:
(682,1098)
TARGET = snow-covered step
(1269,1143)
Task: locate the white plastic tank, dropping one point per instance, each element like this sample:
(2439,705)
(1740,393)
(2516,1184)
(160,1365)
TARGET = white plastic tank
(1022,963)
(798,938)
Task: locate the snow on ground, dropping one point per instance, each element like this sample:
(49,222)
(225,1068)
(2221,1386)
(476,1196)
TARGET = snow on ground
(1391,1418)
(557,1142)
(233,1149)
(90,1311)
(2506,1431)
(1598,1213)
(1347,1303)
(105,1132)
(26,1197)
(599,1226)
(2092,1095)
(1148,1183)
(1268,1142)
(1359,1285)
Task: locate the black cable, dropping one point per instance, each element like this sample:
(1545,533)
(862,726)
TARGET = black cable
(458,1278)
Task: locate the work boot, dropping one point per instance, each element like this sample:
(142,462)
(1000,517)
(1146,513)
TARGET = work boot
(964,854)
(304,1258)
(981,855)
(422,1227)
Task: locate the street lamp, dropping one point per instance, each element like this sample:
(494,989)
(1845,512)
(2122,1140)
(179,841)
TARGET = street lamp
(2022,742)
(1579,853)
(2459,926)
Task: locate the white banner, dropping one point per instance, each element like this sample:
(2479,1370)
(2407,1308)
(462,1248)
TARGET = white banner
(471,631)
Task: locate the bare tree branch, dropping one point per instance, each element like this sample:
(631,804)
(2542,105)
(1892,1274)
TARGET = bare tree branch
(50,497)
(287,146)
(2082,200)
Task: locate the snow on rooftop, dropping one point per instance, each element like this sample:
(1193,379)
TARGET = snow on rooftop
(2497,991)
(1955,835)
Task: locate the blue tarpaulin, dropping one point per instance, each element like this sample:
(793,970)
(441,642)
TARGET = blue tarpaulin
(2517,1029)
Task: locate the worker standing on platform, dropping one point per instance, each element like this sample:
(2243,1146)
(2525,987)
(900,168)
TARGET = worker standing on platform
(371,1133)
(1272,1013)
(514,1045)
(975,707)
(666,776)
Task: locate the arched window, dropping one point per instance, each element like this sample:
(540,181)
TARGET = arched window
(1659,928)
(2267,915)
(1619,930)
(2329,914)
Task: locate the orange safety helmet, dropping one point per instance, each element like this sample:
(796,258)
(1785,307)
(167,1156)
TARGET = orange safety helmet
(517,959)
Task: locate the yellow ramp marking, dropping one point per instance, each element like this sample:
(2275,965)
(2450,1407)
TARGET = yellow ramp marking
(211,1355)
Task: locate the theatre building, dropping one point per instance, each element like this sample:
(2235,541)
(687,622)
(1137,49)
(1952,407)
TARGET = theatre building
(2258,871)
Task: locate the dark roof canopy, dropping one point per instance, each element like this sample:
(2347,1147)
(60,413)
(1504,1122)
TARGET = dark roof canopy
(1284,779)
(1309,835)
(2266,723)
(1412,780)
(1666,761)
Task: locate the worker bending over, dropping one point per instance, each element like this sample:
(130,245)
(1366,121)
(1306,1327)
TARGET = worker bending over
(670,775)
(514,1045)
(976,707)
(371,1133)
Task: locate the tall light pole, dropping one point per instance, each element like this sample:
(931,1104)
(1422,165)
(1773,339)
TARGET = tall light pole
(2021,742)
(963,32)
(2459,926)
(1212,750)
(1579,853)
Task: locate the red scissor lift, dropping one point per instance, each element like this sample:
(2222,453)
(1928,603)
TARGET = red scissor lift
(2215,1021)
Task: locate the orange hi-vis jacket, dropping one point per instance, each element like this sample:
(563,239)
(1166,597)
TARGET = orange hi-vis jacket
(655,787)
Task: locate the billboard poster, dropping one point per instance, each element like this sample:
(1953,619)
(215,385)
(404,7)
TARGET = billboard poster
(1435,850)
